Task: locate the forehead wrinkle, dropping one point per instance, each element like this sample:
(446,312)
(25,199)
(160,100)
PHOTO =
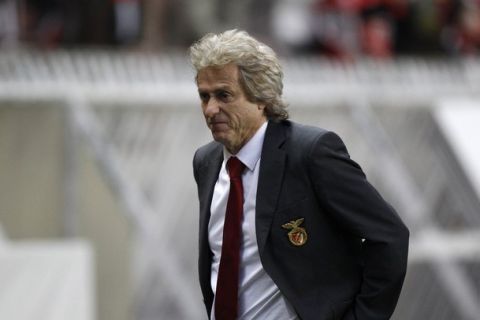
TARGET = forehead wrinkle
(213,86)
(215,89)
(226,72)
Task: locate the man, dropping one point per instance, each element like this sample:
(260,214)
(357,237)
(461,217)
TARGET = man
(289,226)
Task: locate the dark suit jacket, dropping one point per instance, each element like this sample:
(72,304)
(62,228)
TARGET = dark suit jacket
(354,261)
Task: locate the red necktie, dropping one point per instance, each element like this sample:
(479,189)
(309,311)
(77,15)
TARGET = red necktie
(226,296)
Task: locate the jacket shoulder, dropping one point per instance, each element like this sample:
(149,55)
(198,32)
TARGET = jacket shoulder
(304,140)
(301,135)
(203,155)
(302,131)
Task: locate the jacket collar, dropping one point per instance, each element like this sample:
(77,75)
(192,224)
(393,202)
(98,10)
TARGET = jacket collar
(270,179)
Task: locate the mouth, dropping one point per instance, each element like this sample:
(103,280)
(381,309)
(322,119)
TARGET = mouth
(218,125)
(214,122)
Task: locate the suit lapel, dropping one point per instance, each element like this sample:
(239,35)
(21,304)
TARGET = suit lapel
(270,179)
(207,179)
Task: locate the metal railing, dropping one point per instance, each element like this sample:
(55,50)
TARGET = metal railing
(138,113)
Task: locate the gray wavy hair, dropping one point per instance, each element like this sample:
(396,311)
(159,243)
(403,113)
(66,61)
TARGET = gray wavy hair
(261,74)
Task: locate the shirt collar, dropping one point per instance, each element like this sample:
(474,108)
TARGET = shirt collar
(252,150)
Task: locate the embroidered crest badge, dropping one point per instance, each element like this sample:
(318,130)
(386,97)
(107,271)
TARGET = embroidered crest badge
(297,235)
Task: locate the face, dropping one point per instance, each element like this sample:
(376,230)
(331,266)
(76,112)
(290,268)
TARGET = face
(231,118)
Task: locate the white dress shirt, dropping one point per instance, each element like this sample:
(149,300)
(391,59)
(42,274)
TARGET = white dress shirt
(259,297)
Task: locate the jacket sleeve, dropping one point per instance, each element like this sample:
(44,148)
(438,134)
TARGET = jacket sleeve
(355,205)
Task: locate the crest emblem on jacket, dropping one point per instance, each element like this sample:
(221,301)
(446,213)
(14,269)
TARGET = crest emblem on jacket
(297,235)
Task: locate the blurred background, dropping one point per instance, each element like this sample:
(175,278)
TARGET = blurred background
(99,120)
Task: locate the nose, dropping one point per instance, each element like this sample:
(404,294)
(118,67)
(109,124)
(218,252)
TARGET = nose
(211,108)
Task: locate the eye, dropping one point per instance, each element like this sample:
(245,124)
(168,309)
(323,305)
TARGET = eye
(204,96)
(223,95)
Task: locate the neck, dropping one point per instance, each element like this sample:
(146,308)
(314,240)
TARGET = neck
(235,148)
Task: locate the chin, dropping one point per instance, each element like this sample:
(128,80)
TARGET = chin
(219,137)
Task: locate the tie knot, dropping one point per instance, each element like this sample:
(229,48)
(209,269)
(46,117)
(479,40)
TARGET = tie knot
(235,167)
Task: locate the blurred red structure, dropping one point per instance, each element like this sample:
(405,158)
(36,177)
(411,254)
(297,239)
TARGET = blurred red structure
(340,29)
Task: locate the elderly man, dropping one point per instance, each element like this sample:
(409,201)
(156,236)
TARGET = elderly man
(289,226)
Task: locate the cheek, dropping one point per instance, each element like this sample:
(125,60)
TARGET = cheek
(237,121)
(206,119)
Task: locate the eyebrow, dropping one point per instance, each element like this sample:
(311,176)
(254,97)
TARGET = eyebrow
(220,88)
